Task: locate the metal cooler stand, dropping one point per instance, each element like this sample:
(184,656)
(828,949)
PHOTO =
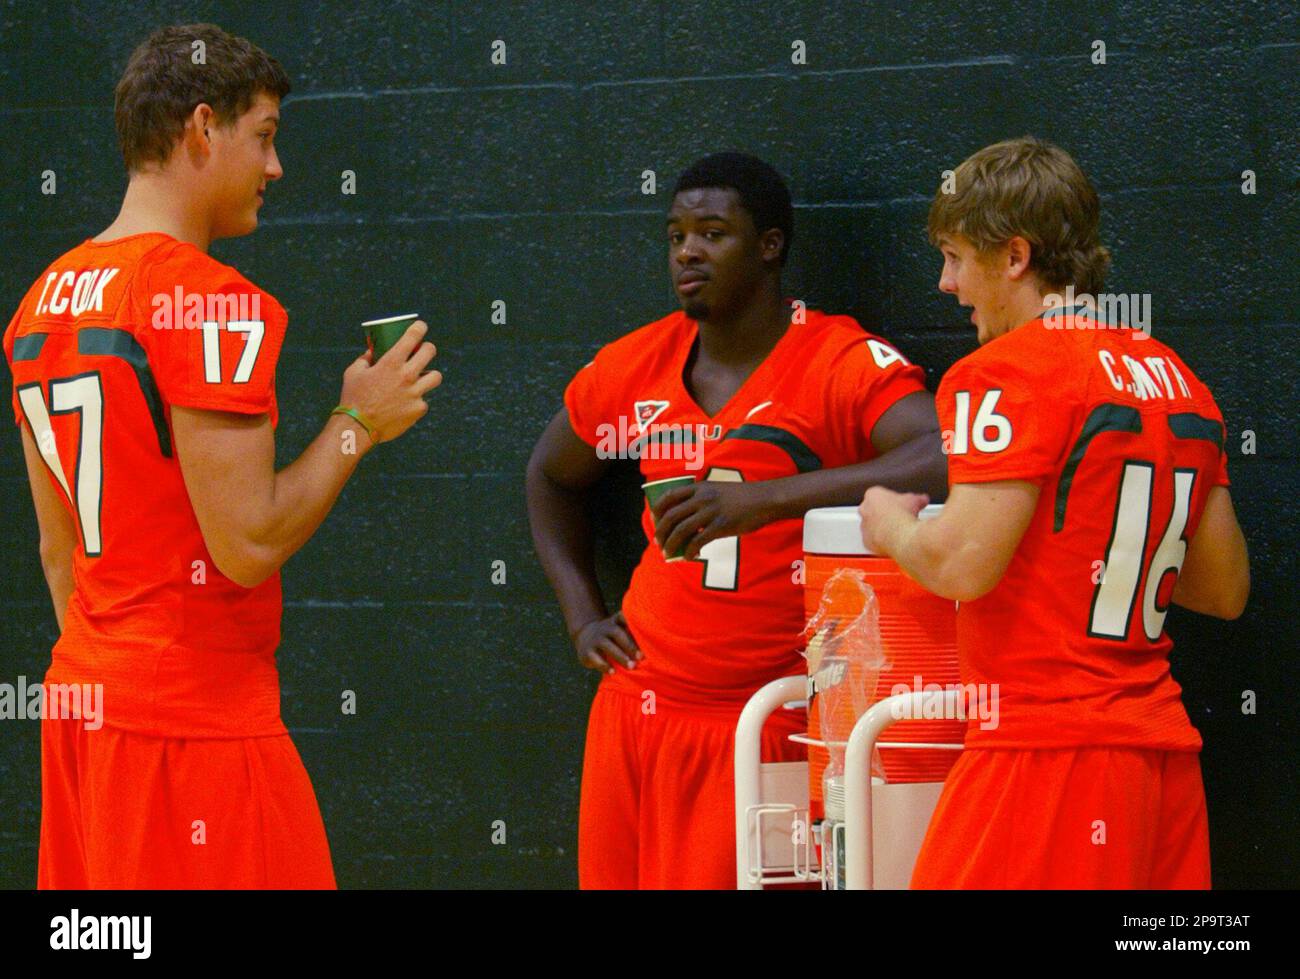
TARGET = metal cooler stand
(773,838)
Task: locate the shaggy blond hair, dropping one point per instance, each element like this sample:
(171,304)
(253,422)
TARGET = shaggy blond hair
(1034,189)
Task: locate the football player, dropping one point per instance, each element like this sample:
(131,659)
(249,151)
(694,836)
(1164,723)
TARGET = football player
(771,409)
(1088,490)
(144,388)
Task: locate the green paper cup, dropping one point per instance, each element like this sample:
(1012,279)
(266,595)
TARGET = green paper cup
(382,334)
(655,490)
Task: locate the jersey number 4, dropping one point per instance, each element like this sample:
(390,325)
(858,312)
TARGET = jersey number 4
(721,557)
(82,394)
(1116,593)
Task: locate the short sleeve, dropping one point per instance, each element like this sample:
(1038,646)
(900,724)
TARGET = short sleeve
(585,399)
(885,378)
(1221,478)
(1221,473)
(866,378)
(212,337)
(1000,420)
(1221,467)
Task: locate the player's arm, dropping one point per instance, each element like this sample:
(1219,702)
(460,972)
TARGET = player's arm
(561,472)
(253,518)
(58,531)
(961,554)
(1215,577)
(909,457)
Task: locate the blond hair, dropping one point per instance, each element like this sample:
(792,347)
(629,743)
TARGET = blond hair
(1033,189)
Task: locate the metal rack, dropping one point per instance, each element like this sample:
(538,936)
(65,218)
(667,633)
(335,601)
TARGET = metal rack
(883,824)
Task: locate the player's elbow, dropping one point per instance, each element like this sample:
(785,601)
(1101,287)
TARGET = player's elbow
(58,541)
(964,571)
(968,584)
(545,478)
(974,573)
(1234,611)
(1216,584)
(247,565)
(535,471)
(1233,597)
(1239,592)
(56,555)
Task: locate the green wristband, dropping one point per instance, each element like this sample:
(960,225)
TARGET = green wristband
(353,413)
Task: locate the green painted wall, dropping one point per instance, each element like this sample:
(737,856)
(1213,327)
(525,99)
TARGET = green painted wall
(521,182)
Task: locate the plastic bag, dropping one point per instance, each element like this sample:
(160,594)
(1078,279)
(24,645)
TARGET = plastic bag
(845,659)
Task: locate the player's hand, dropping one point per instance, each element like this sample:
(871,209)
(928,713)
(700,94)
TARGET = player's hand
(390,392)
(705,511)
(602,643)
(880,510)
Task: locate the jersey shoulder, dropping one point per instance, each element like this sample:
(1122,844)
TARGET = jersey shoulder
(178,263)
(647,346)
(834,335)
(180,288)
(1132,367)
(830,332)
(22,320)
(1032,358)
(1200,391)
(833,324)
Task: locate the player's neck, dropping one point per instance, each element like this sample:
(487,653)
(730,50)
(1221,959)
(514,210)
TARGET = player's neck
(1024,306)
(154,203)
(747,338)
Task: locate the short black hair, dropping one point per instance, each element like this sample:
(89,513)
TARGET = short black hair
(760,188)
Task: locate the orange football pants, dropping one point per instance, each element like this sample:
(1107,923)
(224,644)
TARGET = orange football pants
(658,793)
(123,810)
(1112,818)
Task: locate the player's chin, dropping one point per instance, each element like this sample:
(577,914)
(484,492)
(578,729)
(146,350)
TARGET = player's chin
(696,309)
(245,224)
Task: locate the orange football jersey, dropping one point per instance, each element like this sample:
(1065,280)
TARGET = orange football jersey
(715,629)
(1124,443)
(105,342)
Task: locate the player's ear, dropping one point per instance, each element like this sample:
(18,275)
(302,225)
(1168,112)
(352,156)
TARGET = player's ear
(770,243)
(1018,254)
(199,126)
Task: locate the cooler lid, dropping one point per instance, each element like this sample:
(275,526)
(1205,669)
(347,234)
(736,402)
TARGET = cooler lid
(838,529)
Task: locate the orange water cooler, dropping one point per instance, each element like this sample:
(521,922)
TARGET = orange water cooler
(918,637)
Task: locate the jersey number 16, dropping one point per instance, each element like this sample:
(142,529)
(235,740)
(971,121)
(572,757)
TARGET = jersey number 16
(1116,593)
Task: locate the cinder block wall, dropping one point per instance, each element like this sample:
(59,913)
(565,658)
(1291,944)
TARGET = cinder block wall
(478,182)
